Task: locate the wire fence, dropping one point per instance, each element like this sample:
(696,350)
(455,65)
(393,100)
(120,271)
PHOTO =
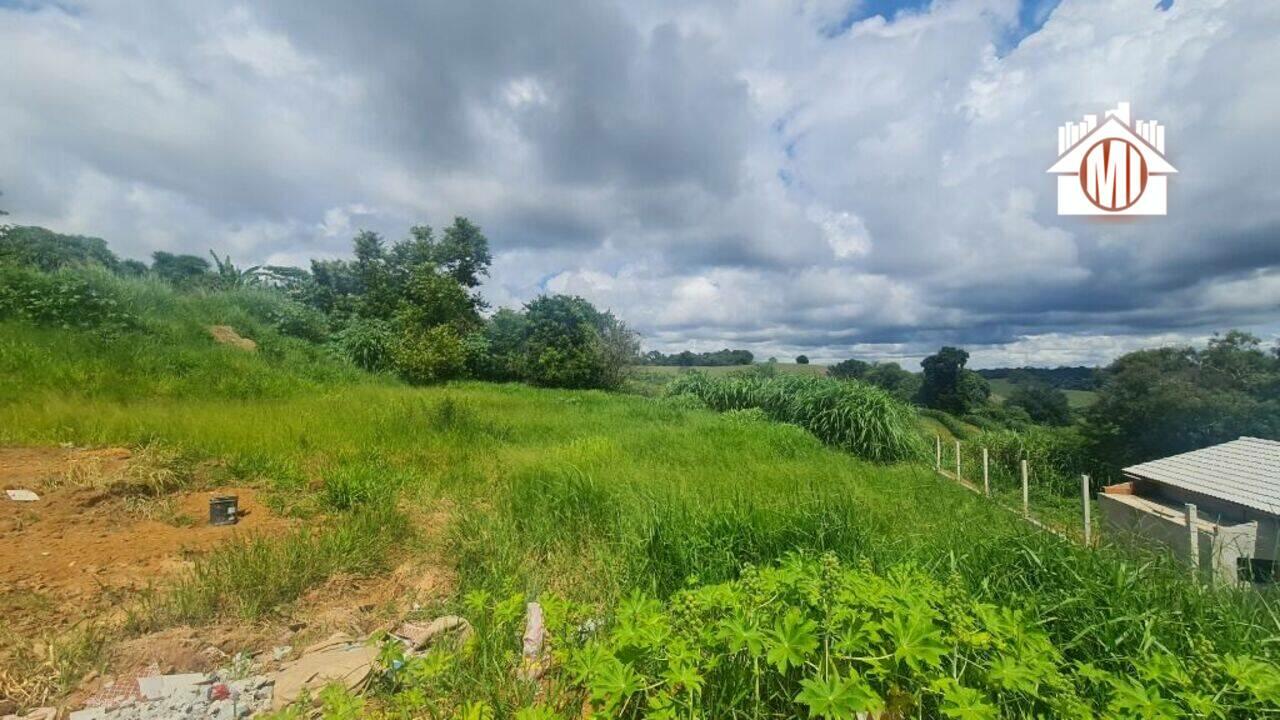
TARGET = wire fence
(1036,493)
(1043,497)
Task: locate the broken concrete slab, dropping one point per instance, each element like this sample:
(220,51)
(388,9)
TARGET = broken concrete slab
(157,687)
(338,659)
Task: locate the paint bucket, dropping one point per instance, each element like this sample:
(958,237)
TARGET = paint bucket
(223,510)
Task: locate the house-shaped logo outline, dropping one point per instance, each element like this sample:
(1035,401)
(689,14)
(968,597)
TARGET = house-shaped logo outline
(1071,197)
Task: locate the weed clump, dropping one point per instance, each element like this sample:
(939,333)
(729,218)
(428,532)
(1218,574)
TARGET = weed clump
(249,578)
(853,416)
(819,638)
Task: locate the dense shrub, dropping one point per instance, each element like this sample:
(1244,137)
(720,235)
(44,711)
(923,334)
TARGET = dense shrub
(819,639)
(409,308)
(367,343)
(429,356)
(992,416)
(851,369)
(566,342)
(297,320)
(889,376)
(41,249)
(1043,404)
(84,298)
(862,419)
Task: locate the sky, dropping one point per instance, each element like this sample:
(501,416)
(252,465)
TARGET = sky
(837,178)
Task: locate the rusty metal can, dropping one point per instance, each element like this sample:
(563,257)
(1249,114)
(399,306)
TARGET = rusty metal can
(224,510)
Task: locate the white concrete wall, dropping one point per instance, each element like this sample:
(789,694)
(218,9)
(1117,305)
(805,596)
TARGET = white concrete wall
(1218,546)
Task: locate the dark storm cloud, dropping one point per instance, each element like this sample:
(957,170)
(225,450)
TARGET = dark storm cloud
(597,102)
(713,172)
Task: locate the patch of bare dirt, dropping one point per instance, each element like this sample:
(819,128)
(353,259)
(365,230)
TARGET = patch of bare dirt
(79,556)
(227,335)
(80,550)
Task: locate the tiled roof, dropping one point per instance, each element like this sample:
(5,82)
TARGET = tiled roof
(1244,472)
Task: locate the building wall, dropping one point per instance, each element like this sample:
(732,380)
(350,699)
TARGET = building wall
(1218,546)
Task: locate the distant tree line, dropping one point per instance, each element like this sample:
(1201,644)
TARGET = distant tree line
(691,359)
(890,376)
(1154,403)
(1150,403)
(1062,378)
(946,385)
(411,307)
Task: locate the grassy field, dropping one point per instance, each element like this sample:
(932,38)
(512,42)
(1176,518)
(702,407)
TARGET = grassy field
(651,379)
(1078,399)
(644,515)
(789,368)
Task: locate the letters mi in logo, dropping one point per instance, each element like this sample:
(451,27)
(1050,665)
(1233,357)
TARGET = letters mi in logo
(1116,167)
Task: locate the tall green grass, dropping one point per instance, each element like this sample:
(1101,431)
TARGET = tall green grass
(853,416)
(249,578)
(591,496)
(140,338)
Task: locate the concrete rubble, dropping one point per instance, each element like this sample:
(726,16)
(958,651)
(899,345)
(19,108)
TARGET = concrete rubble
(339,659)
(188,695)
(244,688)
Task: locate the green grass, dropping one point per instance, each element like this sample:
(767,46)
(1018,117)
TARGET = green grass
(652,379)
(853,416)
(1077,399)
(580,495)
(782,368)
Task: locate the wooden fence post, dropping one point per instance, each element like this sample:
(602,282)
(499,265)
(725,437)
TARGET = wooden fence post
(1026,504)
(986,477)
(937,452)
(1193,538)
(1084,497)
(957,461)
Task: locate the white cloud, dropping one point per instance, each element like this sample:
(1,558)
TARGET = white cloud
(718,174)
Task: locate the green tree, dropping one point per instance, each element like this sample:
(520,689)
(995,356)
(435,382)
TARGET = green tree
(1043,404)
(1154,403)
(47,250)
(505,335)
(902,384)
(431,355)
(333,287)
(568,343)
(430,298)
(228,276)
(180,270)
(850,369)
(463,253)
(132,268)
(802,359)
(379,288)
(949,386)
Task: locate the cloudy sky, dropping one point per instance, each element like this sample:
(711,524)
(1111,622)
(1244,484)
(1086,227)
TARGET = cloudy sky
(842,178)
